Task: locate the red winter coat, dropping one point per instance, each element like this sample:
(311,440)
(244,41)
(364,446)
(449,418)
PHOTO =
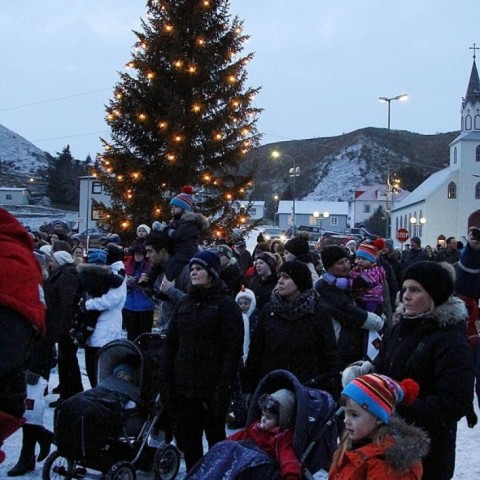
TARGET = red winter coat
(276,443)
(20,274)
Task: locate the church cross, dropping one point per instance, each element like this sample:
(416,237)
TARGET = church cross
(474,48)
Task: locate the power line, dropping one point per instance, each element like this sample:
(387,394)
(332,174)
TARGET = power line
(53,100)
(70,136)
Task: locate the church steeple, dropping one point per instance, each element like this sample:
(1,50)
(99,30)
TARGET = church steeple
(471,101)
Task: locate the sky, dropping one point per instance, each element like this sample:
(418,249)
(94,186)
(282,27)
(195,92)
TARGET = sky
(321,65)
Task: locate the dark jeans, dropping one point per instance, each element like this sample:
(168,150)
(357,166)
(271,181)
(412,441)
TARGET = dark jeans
(90,364)
(137,323)
(16,339)
(70,378)
(193,416)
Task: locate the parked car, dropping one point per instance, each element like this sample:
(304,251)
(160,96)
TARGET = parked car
(334,238)
(273,233)
(363,233)
(95,236)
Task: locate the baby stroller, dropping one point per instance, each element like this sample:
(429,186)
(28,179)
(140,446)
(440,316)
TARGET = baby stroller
(109,428)
(315,436)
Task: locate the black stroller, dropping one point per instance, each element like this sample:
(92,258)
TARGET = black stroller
(315,437)
(110,427)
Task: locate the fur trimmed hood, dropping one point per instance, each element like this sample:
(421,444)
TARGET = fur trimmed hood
(93,269)
(198,218)
(450,313)
(409,446)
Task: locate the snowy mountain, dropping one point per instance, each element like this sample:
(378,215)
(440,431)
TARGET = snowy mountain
(18,157)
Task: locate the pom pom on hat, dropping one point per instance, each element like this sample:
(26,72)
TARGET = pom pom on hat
(434,278)
(209,260)
(368,252)
(379,394)
(379,243)
(184,199)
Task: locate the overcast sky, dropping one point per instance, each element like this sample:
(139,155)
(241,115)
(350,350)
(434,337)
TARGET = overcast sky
(322,64)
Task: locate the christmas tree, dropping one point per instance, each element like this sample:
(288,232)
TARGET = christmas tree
(180,115)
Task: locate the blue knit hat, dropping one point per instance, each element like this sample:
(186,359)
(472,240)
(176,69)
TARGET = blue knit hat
(184,200)
(97,256)
(122,367)
(209,260)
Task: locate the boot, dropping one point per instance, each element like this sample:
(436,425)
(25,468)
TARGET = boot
(8,425)
(26,462)
(44,439)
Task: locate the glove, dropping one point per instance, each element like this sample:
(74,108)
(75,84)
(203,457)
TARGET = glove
(356,369)
(472,419)
(373,322)
(158,226)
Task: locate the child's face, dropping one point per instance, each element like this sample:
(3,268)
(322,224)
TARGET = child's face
(123,375)
(244,304)
(268,420)
(141,232)
(359,423)
(363,262)
(176,210)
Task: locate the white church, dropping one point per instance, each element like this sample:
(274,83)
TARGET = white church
(448,202)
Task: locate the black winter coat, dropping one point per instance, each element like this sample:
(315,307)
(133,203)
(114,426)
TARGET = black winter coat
(204,343)
(433,351)
(61,295)
(352,339)
(304,345)
(263,289)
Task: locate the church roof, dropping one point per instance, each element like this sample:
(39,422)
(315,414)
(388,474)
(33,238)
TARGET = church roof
(432,183)
(473,90)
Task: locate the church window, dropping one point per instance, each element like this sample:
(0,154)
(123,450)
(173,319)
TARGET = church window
(477,153)
(455,155)
(452,190)
(477,122)
(468,122)
(477,191)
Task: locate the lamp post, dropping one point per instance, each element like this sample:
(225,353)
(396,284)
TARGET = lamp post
(320,216)
(275,208)
(293,172)
(417,223)
(388,100)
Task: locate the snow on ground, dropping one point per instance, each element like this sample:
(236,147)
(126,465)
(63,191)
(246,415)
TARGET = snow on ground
(468,440)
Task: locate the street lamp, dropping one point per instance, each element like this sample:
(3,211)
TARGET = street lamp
(320,216)
(417,223)
(275,208)
(293,172)
(402,97)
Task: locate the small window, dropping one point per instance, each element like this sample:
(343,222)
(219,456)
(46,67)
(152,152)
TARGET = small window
(455,155)
(477,122)
(477,191)
(253,212)
(452,190)
(334,221)
(95,215)
(477,154)
(8,196)
(468,122)
(96,187)
(366,208)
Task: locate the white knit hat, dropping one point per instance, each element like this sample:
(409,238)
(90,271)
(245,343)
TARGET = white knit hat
(62,257)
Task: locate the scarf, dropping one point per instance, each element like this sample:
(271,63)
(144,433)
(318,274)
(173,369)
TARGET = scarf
(301,306)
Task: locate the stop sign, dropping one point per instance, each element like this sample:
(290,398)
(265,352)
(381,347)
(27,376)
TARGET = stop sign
(402,235)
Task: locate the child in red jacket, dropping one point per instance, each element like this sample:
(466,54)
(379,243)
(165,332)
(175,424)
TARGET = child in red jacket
(274,432)
(375,444)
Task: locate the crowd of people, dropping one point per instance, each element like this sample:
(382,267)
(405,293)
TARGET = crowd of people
(364,322)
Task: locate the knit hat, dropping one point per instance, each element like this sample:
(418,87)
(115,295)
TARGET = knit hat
(157,240)
(62,257)
(379,243)
(184,199)
(260,238)
(46,249)
(97,256)
(269,259)
(209,260)
(225,250)
(145,227)
(299,273)
(122,367)
(114,253)
(368,252)
(297,246)
(379,394)
(112,238)
(351,243)
(416,240)
(433,278)
(240,242)
(247,293)
(331,254)
(281,403)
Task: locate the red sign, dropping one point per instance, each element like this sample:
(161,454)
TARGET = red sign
(402,235)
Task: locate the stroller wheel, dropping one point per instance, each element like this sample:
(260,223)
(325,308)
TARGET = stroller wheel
(121,471)
(57,467)
(166,463)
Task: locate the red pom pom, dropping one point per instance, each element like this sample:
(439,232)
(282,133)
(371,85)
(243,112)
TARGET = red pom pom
(411,389)
(379,243)
(187,189)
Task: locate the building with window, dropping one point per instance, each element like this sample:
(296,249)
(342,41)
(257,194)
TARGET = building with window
(90,189)
(448,202)
(15,196)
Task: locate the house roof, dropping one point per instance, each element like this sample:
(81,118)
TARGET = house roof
(14,189)
(308,207)
(370,193)
(432,183)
